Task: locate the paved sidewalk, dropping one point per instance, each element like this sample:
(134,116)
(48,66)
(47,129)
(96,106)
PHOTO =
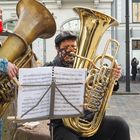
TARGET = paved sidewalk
(127,105)
(134,88)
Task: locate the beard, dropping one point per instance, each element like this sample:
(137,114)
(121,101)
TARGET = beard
(67,58)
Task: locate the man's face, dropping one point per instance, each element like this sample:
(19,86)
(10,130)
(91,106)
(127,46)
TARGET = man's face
(65,49)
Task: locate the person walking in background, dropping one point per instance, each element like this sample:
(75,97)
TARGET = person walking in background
(134,64)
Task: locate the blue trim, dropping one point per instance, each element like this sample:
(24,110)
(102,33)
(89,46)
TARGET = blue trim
(3,65)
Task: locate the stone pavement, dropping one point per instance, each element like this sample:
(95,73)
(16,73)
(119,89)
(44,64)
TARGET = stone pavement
(134,88)
(127,105)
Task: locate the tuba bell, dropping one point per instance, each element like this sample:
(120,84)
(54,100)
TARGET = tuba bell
(34,20)
(100,80)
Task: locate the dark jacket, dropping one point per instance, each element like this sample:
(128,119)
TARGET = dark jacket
(55,62)
(134,67)
(116,86)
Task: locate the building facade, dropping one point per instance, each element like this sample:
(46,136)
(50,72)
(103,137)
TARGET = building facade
(66,18)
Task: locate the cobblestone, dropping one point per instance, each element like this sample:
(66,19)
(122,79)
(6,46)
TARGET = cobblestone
(134,88)
(127,105)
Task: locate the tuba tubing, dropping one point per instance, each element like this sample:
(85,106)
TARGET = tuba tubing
(93,24)
(34,21)
(99,82)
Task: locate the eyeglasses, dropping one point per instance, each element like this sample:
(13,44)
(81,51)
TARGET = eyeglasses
(69,48)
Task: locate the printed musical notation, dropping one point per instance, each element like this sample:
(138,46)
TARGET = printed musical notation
(35,91)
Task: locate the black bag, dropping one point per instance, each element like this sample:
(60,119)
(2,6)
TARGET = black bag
(116,86)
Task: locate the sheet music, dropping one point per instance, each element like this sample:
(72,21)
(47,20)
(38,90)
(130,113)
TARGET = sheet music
(69,75)
(36,81)
(71,84)
(28,97)
(35,76)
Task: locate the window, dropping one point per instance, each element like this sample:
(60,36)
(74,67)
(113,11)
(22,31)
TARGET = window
(10,24)
(135,44)
(72,24)
(136,10)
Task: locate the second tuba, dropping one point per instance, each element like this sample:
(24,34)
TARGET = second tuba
(100,81)
(35,20)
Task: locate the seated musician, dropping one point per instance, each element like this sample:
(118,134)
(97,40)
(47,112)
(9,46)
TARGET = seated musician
(112,127)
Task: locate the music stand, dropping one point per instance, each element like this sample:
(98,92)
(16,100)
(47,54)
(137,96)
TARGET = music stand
(52,87)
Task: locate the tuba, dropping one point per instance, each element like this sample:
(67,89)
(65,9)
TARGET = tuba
(34,20)
(100,81)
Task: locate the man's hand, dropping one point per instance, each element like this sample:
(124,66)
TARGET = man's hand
(12,70)
(117,72)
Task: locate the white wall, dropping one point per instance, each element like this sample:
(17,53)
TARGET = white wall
(66,12)
(9,9)
(134,33)
(61,14)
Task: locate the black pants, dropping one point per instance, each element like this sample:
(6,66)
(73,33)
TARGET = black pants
(133,77)
(112,128)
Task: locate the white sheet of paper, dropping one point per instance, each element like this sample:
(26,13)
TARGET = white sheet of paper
(36,81)
(72,88)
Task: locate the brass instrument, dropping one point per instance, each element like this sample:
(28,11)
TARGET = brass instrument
(34,21)
(100,80)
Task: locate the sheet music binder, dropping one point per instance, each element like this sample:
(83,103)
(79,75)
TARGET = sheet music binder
(58,82)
